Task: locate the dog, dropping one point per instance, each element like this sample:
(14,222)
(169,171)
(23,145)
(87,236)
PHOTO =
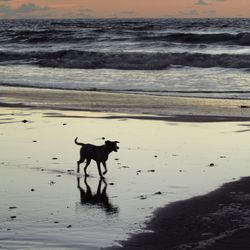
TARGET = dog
(99,154)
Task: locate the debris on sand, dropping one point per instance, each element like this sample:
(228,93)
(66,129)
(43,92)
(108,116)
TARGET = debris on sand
(125,167)
(54,158)
(151,170)
(12,207)
(52,183)
(142,197)
(24,121)
(13,217)
(158,193)
(211,165)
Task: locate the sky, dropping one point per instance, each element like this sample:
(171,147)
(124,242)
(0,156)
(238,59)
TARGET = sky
(123,8)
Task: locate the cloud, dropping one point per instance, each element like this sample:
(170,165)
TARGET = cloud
(24,10)
(201,2)
(30,7)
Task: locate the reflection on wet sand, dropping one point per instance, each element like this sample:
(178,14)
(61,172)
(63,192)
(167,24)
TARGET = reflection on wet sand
(99,199)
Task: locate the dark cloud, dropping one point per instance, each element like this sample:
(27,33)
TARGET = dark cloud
(4,9)
(30,7)
(24,10)
(201,2)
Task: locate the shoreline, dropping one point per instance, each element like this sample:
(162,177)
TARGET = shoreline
(219,220)
(167,108)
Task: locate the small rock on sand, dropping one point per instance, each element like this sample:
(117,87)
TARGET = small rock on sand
(13,217)
(24,121)
(211,165)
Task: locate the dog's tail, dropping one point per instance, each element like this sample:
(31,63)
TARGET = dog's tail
(78,143)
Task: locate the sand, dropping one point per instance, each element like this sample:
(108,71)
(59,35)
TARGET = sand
(165,107)
(219,220)
(177,149)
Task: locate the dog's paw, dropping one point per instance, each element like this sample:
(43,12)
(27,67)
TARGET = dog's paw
(105,172)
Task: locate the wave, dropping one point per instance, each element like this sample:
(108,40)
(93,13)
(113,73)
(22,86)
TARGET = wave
(125,61)
(66,36)
(242,39)
(45,36)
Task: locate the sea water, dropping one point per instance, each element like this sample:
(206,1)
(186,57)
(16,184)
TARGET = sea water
(183,57)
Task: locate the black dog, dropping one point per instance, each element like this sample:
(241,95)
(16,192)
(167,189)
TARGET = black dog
(98,153)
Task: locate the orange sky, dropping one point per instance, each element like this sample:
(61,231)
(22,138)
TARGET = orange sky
(124,8)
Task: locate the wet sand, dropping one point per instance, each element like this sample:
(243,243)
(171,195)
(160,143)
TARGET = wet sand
(175,149)
(165,107)
(219,220)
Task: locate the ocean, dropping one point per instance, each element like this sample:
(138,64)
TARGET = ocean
(175,57)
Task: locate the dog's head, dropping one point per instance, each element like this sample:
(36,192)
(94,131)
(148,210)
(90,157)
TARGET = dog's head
(112,145)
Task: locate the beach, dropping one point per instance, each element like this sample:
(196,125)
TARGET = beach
(171,149)
(219,220)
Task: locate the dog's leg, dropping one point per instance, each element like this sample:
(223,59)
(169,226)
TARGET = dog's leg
(85,168)
(99,169)
(105,167)
(78,164)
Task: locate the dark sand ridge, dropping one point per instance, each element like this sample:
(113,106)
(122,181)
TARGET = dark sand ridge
(219,220)
(164,107)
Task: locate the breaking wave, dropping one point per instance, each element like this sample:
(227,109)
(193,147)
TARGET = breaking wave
(125,61)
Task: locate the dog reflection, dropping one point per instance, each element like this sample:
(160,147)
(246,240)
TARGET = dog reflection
(100,198)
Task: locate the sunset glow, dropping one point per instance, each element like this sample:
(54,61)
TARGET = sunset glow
(123,9)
